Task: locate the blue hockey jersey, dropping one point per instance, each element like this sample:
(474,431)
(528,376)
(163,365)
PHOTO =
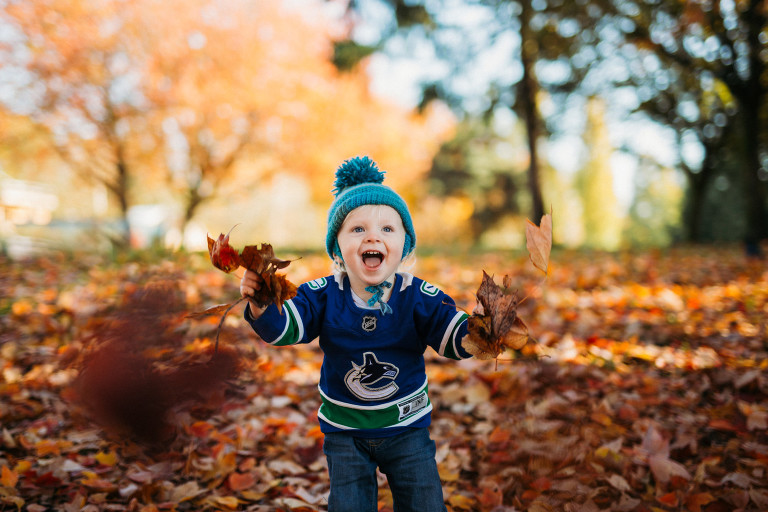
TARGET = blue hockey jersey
(373,380)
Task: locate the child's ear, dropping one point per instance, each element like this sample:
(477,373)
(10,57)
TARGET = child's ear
(338,262)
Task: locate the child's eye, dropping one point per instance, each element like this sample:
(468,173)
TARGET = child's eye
(387,229)
(357,229)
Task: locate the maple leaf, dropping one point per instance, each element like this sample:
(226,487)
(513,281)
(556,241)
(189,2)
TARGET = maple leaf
(275,288)
(495,325)
(223,256)
(259,259)
(539,242)
(8,477)
(262,259)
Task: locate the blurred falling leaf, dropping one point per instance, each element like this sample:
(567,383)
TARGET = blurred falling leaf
(539,242)
(120,386)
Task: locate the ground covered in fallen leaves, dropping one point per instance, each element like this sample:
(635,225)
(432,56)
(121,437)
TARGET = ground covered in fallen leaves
(644,389)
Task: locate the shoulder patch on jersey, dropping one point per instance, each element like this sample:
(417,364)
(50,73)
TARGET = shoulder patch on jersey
(317,284)
(429,289)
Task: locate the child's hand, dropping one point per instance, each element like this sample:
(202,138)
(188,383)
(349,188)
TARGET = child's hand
(250,283)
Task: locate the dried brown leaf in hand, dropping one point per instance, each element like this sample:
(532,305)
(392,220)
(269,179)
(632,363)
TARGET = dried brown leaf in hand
(275,288)
(479,342)
(495,324)
(517,335)
(259,259)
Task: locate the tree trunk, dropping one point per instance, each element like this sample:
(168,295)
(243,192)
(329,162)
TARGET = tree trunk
(697,188)
(193,202)
(753,99)
(527,97)
(121,193)
(755,189)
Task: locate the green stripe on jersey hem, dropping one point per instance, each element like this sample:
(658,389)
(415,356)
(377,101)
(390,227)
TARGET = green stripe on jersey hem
(400,412)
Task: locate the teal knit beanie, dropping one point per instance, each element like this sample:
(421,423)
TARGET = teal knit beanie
(359,182)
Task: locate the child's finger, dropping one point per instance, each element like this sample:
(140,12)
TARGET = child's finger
(246,291)
(251,280)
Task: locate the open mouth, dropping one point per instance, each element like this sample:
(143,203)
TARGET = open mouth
(372,258)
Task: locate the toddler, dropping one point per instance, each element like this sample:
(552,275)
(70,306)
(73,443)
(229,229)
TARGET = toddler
(373,324)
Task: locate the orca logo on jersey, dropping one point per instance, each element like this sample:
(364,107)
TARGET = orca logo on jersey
(362,380)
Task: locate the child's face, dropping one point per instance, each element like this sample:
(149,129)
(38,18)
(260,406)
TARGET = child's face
(371,240)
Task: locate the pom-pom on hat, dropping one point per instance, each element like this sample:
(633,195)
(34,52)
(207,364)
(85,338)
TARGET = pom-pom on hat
(359,182)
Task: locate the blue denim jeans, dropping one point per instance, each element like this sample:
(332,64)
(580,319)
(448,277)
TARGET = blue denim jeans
(408,461)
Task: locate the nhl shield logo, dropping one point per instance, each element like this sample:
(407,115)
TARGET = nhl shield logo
(369,323)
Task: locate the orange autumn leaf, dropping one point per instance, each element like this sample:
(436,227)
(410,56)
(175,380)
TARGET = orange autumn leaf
(530,495)
(241,481)
(499,435)
(8,477)
(539,242)
(491,496)
(201,429)
(669,499)
(22,466)
(541,484)
(223,256)
(229,502)
(461,502)
(92,481)
(46,447)
(694,502)
(106,459)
